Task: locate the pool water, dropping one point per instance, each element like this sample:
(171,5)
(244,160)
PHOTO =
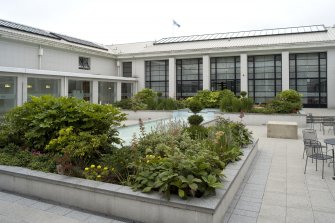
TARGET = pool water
(127,133)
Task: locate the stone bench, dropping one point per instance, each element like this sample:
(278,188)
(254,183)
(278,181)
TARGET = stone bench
(284,130)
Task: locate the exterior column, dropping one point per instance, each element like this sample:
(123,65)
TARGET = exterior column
(62,87)
(172,78)
(21,90)
(138,71)
(330,78)
(244,72)
(206,73)
(285,61)
(95,92)
(65,87)
(118,91)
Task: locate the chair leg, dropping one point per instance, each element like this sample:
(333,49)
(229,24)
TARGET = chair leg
(323,167)
(306,164)
(316,164)
(303,154)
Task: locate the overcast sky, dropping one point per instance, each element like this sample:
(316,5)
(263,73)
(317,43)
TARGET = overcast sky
(124,21)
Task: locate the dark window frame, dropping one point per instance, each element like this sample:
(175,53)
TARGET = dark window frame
(237,81)
(294,58)
(84,63)
(277,79)
(149,76)
(181,82)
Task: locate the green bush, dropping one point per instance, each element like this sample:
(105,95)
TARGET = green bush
(195,119)
(288,101)
(195,106)
(39,121)
(227,98)
(168,104)
(124,104)
(209,99)
(246,104)
(236,105)
(243,94)
(265,110)
(197,132)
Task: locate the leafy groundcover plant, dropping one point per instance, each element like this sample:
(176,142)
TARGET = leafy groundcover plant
(65,132)
(76,138)
(170,161)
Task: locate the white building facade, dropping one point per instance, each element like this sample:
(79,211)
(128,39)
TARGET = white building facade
(35,62)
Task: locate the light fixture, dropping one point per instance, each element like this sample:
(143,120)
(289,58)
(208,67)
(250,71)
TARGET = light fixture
(29,86)
(47,86)
(7,86)
(109,88)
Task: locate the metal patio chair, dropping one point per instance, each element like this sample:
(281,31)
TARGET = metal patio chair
(328,121)
(312,135)
(314,150)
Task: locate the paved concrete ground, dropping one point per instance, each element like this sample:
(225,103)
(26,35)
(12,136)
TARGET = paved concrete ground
(276,189)
(19,209)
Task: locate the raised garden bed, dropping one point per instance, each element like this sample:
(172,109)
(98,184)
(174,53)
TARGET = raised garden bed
(121,201)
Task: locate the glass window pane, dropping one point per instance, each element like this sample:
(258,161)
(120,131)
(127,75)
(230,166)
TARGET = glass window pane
(107,92)
(8,93)
(80,89)
(42,86)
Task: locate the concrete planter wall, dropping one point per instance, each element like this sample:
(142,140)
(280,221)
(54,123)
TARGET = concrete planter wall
(262,119)
(121,201)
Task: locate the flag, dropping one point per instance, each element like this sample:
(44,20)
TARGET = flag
(176,24)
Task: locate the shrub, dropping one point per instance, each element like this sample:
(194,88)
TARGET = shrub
(195,119)
(243,94)
(288,101)
(266,110)
(124,104)
(197,132)
(41,120)
(227,98)
(195,106)
(246,104)
(168,104)
(209,99)
(236,105)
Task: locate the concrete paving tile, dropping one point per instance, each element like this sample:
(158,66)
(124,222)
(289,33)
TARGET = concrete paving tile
(294,215)
(274,198)
(296,201)
(78,215)
(253,193)
(323,217)
(252,214)
(26,201)
(42,206)
(9,197)
(98,219)
(276,186)
(272,212)
(59,210)
(249,206)
(241,219)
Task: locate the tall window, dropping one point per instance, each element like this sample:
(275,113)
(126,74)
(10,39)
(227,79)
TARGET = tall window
(189,77)
(157,76)
(308,75)
(265,77)
(80,89)
(42,86)
(225,74)
(8,93)
(127,69)
(126,90)
(107,92)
